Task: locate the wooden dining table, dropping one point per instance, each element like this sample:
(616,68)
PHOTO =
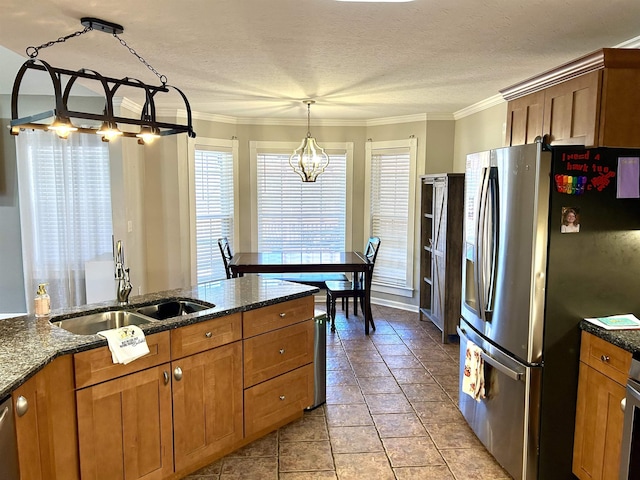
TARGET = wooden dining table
(308,262)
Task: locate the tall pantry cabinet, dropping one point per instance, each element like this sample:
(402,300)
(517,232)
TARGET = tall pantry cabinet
(441,216)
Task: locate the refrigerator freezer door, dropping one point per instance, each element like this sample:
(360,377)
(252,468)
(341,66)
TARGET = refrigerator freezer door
(505,260)
(506,420)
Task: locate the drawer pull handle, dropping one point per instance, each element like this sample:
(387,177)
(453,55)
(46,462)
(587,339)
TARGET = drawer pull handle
(281,351)
(22,405)
(282,315)
(208,334)
(604,358)
(623,404)
(281,397)
(166,377)
(177,373)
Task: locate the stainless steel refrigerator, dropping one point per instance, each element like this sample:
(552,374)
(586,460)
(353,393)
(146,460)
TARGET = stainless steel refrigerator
(527,283)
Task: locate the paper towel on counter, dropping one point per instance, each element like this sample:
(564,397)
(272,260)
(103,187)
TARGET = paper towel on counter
(126,343)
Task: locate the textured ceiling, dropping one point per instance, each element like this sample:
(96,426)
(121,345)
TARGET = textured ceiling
(359,61)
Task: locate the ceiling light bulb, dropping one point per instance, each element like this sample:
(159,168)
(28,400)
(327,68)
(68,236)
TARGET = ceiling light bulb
(148,134)
(109,131)
(62,126)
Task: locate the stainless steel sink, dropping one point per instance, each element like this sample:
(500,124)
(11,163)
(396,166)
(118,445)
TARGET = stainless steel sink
(172,308)
(96,322)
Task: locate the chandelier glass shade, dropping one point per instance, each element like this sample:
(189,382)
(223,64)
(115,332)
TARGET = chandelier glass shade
(104,123)
(309,160)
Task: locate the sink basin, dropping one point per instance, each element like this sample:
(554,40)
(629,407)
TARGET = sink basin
(172,308)
(96,322)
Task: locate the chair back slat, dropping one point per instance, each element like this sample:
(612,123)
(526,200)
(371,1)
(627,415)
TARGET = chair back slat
(225,251)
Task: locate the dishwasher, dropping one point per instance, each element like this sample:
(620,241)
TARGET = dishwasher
(8,445)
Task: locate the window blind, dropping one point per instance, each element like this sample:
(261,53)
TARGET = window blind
(214,209)
(389,204)
(298,216)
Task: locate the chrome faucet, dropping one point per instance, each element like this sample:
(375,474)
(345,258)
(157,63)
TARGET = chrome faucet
(122,276)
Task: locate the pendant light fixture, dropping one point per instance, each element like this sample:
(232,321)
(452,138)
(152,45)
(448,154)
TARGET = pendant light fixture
(146,128)
(309,160)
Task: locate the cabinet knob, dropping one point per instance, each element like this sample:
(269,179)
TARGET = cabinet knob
(281,397)
(281,351)
(623,404)
(166,377)
(604,358)
(22,405)
(177,373)
(208,334)
(282,315)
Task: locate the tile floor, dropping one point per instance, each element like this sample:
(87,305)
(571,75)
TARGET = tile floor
(391,413)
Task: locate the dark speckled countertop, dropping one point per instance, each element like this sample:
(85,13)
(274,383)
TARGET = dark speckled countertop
(628,340)
(28,343)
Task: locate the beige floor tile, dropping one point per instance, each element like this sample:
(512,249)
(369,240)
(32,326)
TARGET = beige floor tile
(379,385)
(443,368)
(338,363)
(241,468)
(438,412)
(435,472)
(266,446)
(412,375)
(305,456)
(412,452)
(321,475)
(427,355)
(399,425)
(452,435)
(427,392)
(210,472)
(348,415)
(370,369)
(335,351)
(359,356)
(358,343)
(344,394)
(363,439)
(393,350)
(308,428)
(402,361)
(363,466)
(341,377)
(388,403)
(386,339)
(474,463)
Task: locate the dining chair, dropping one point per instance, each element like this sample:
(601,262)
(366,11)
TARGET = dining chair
(225,251)
(355,288)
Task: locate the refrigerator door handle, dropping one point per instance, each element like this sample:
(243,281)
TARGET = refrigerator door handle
(479,244)
(492,239)
(512,374)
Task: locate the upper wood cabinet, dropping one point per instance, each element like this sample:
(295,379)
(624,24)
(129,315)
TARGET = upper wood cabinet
(593,101)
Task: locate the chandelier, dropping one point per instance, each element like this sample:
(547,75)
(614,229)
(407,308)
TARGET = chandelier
(309,160)
(147,127)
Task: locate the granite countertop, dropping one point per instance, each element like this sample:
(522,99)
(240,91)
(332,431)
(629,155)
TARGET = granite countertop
(628,340)
(28,343)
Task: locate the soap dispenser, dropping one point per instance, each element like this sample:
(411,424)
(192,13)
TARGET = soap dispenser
(42,301)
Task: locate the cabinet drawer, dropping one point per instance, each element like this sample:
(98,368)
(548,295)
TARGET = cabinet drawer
(205,335)
(95,366)
(277,352)
(279,398)
(608,359)
(276,316)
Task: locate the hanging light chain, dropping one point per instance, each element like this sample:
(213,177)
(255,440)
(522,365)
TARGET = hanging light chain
(32,52)
(163,79)
(308,119)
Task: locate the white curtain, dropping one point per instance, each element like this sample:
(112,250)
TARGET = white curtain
(65,211)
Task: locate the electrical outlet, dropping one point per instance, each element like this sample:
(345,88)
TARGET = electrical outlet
(129,226)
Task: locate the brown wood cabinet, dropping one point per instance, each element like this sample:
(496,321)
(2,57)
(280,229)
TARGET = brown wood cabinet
(46,430)
(604,370)
(442,215)
(592,101)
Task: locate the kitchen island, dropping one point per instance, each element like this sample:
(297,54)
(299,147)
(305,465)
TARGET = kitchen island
(213,381)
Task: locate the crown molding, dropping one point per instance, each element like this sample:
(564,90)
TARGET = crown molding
(479,107)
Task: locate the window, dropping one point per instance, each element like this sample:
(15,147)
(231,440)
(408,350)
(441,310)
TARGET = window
(291,215)
(65,211)
(214,204)
(391,197)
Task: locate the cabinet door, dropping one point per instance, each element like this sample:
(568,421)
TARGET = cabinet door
(599,422)
(438,252)
(46,431)
(571,111)
(207,403)
(524,119)
(124,427)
